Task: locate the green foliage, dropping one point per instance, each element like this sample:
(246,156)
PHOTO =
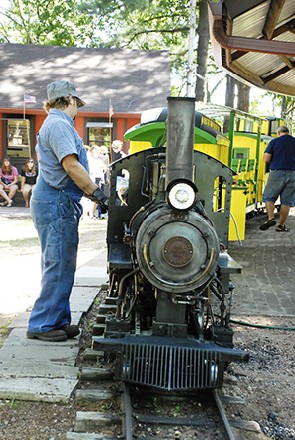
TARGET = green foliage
(47,22)
(14,403)
(141,24)
(175,410)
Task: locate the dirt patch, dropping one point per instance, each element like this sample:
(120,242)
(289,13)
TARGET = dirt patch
(267,382)
(34,420)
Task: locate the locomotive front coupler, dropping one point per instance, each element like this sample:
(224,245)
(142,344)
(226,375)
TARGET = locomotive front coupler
(188,299)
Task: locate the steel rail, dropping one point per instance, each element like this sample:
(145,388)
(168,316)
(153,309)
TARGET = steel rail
(127,420)
(226,425)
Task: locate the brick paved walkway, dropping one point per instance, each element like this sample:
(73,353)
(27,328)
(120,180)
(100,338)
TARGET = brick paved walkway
(267,283)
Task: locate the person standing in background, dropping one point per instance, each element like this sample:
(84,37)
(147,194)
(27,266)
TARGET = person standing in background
(97,171)
(280,155)
(117,152)
(104,156)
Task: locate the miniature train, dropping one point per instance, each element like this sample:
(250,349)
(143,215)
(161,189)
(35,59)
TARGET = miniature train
(236,138)
(168,264)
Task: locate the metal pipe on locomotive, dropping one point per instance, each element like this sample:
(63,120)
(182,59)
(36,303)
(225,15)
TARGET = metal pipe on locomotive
(168,266)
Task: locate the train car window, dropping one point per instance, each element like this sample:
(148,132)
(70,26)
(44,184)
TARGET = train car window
(122,187)
(241,153)
(248,126)
(274,125)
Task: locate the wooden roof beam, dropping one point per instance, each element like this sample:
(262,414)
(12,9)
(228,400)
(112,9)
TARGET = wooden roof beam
(288,62)
(272,18)
(260,82)
(289,26)
(282,71)
(273,76)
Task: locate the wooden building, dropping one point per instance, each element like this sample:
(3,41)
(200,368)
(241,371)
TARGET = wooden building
(121,80)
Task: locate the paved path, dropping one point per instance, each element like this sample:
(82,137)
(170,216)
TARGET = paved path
(31,369)
(35,370)
(267,283)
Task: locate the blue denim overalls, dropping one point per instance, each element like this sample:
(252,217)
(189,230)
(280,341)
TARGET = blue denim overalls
(56,215)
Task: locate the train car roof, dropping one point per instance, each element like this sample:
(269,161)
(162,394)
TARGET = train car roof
(152,128)
(155,133)
(217,111)
(254,41)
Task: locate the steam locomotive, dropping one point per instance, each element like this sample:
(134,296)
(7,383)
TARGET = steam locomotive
(168,263)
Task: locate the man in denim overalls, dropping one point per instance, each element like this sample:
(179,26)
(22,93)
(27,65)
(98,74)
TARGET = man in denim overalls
(56,210)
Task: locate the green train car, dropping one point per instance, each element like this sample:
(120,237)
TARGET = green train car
(235,138)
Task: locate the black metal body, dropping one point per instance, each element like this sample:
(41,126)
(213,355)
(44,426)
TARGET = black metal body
(169,268)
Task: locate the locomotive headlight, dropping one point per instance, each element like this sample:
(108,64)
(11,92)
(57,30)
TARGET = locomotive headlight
(181,195)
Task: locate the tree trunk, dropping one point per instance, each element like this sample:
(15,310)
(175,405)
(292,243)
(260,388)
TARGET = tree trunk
(229,99)
(243,97)
(191,90)
(284,106)
(230,91)
(202,54)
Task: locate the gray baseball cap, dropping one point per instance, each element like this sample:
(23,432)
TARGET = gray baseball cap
(61,88)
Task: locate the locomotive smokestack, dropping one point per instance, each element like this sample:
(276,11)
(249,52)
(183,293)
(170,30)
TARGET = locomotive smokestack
(180,139)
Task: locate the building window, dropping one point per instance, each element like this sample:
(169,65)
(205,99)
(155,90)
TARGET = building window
(99,133)
(18,138)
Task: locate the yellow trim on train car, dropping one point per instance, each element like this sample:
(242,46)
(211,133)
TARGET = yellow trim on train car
(237,222)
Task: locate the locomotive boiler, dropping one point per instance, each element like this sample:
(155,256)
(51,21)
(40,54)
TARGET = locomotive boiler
(168,263)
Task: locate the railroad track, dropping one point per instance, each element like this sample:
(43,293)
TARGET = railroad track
(113,409)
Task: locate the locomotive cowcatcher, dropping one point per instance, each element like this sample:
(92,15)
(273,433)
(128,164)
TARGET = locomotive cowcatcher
(168,263)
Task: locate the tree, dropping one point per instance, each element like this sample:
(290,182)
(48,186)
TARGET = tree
(287,106)
(243,96)
(237,89)
(230,91)
(47,22)
(202,51)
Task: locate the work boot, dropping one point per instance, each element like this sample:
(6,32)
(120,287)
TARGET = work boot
(50,336)
(70,330)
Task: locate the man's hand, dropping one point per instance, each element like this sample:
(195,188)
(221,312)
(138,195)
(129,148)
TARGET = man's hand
(98,197)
